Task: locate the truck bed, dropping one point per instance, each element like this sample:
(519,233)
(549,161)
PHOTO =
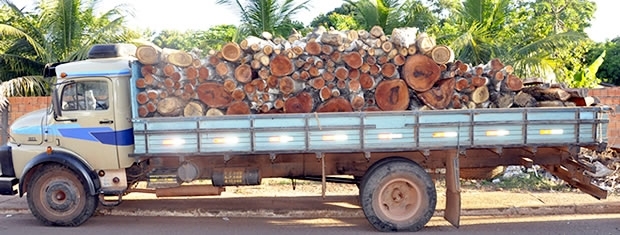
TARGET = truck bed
(371,131)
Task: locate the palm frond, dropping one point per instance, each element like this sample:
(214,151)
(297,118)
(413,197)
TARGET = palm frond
(25,86)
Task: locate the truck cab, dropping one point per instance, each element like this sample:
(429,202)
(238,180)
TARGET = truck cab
(90,116)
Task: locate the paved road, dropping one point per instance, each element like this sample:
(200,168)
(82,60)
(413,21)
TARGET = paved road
(564,224)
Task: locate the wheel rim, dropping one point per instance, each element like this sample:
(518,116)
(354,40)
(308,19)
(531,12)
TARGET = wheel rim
(397,200)
(59,198)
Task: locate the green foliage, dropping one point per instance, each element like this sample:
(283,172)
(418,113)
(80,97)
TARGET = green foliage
(390,14)
(337,21)
(610,69)
(58,30)
(273,16)
(212,39)
(586,77)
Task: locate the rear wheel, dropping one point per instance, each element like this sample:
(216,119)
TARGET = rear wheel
(398,195)
(57,196)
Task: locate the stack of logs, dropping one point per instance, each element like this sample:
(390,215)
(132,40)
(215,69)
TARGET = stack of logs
(327,71)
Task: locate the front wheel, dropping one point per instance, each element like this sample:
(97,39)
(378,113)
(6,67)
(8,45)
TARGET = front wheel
(398,196)
(57,196)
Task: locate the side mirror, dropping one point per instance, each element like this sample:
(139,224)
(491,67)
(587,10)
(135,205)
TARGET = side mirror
(56,104)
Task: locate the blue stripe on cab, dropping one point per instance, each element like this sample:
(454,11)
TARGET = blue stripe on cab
(105,135)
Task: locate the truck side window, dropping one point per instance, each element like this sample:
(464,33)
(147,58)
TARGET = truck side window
(88,95)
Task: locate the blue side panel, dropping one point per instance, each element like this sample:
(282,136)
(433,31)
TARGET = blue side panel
(139,144)
(332,131)
(284,134)
(178,142)
(279,141)
(394,131)
(453,136)
(498,134)
(177,124)
(539,115)
(222,141)
(495,117)
(229,123)
(444,129)
(443,117)
(563,133)
(586,133)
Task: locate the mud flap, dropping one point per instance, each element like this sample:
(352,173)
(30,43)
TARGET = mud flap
(453,191)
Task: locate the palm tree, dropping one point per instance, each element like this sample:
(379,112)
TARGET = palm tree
(58,30)
(483,33)
(390,14)
(273,16)
(480,29)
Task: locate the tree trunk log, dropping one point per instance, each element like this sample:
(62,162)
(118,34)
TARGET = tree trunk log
(238,108)
(170,107)
(214,95)
(337,104)
(231,52)
(420,72)
(301,103)
(392,95)
(281,66)
(439,97)
(148,54)
(243,73)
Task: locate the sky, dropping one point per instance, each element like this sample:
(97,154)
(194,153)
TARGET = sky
(202,14)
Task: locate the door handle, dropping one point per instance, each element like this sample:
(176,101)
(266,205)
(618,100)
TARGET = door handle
(106,122)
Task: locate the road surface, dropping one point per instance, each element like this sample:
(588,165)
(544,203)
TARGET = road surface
(564,224)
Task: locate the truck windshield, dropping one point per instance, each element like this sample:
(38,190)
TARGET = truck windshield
(86,95)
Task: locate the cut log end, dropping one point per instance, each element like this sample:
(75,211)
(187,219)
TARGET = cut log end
(392,95)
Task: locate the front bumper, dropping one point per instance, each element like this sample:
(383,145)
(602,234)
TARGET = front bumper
(7,172)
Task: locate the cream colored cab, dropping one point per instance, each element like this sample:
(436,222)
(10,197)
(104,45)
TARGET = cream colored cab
(87,123)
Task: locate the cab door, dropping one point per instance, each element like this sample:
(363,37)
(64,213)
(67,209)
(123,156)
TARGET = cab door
(87,125)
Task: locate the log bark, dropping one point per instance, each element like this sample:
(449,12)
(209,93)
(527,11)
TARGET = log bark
(420,72)
(392,95)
